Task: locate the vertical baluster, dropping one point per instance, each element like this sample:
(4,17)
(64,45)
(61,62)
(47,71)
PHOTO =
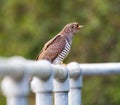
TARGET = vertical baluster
(15,84)
(43,91)
(16,91)
(75,84)
(61,87)
(43,86)
(75,91)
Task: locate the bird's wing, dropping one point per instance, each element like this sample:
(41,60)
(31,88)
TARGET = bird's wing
(52,48)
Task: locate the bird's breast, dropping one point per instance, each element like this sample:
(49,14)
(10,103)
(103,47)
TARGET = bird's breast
(63,53)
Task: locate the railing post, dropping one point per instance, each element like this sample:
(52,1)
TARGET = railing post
(43,87)
(61,86)
(75,84)
(16,87)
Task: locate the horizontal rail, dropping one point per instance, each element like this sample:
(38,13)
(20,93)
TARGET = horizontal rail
(84,69)
(100,68)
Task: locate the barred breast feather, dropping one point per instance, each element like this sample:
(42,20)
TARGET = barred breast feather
(59,59)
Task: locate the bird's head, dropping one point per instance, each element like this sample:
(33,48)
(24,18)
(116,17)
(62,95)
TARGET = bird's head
(72,28)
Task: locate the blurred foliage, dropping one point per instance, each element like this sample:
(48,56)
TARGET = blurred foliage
(25,25)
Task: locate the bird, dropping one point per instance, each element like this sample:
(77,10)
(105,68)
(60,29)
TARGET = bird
(57,48)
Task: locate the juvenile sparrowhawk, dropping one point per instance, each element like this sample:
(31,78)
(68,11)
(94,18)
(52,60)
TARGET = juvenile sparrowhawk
(56,49)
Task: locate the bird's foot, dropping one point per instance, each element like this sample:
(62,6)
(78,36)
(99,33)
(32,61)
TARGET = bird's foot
(63,64)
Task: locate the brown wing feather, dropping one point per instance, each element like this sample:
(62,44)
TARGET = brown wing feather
(51,50)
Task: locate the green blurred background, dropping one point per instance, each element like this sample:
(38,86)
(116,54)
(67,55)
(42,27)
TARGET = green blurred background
(25,25)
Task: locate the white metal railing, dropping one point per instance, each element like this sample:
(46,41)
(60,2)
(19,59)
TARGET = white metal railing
(45,79)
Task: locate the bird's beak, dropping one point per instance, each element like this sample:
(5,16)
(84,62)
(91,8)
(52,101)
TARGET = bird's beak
(80,26)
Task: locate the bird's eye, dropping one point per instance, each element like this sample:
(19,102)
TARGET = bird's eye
(72,27)
(77,25)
